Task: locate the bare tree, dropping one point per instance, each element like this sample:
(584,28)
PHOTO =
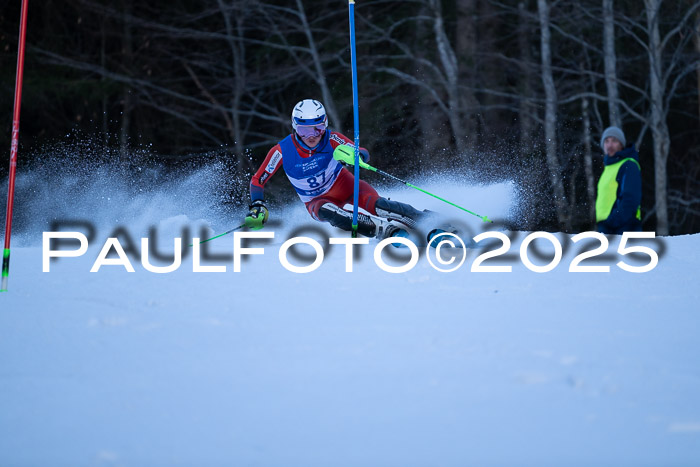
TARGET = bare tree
(588,161)
(667,68)
(550,118)
(448,60)
(696,40)
(611,63)
(318,71)
(436,73)
(233,18)
(659,128)
(526,110)
(466,52)
(436,76)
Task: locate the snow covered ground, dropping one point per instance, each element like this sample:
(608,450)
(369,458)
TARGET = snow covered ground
(268,367)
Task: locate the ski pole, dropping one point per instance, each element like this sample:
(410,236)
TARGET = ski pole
(344,153)
(221,235)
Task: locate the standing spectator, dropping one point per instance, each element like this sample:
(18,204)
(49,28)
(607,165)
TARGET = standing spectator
(618,204)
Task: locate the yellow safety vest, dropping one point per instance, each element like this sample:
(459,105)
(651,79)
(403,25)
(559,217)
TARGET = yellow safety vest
(607,190)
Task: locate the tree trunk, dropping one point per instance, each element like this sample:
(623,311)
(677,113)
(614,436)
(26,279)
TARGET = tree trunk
(425,110)
(234,38)
(328,101)
(696,40)
(658,126)
(611,63)
(103,80)
(525,108)
(588,163)
(466,53)
(449,65)
(239,88)
(550,119)
(127,98)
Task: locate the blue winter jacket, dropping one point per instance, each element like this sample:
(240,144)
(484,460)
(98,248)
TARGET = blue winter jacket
(624,214)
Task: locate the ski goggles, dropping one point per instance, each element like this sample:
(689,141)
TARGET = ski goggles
(308,131)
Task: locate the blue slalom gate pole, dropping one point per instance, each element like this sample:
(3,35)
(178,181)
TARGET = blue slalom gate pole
(356,115)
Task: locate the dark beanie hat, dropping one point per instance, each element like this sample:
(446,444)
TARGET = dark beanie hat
(616,133)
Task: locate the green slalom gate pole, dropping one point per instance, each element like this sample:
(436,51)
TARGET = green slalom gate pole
(14,145)
(343,153)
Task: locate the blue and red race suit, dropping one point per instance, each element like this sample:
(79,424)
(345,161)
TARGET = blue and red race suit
(314,174)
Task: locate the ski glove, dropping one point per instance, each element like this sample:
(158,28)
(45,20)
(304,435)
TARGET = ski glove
(364,155)
(257,215)
(345,154)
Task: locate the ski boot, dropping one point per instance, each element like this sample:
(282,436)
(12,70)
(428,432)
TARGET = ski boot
(387,229)
(396,211)
(367,225)
(447,229)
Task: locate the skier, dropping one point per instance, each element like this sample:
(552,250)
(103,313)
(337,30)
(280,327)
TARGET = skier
(322,183)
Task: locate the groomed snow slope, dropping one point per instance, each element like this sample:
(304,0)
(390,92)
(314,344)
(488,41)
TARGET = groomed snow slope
(269,367)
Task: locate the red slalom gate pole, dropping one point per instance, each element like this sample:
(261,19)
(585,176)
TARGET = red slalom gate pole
(14,145)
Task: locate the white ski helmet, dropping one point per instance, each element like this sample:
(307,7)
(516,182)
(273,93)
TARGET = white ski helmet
(309,112)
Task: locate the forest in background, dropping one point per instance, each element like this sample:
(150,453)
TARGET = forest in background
(492,90)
